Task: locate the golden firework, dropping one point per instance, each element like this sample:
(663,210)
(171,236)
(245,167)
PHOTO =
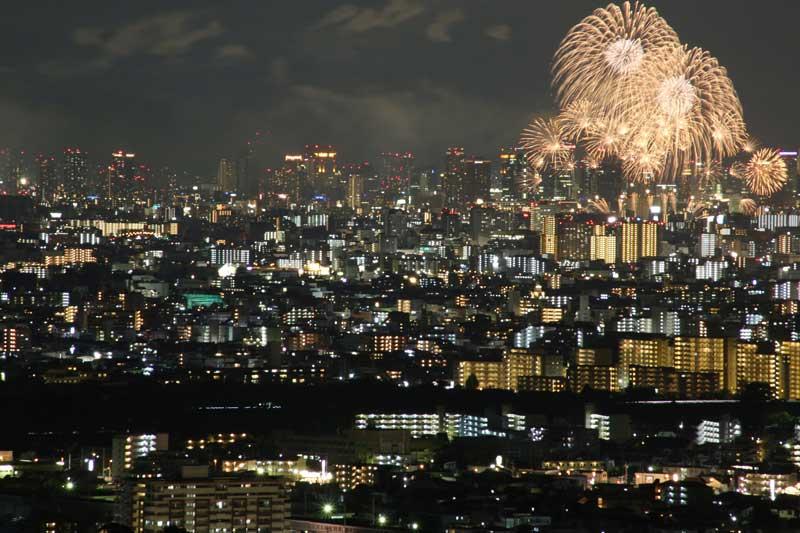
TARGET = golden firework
(708,173)
(748,206)
(599,56)
(750,144)
(766,172)
(696,207)
(599,205)
(578,119)
(545,144)
(695,107)
(643,159)
(737,170)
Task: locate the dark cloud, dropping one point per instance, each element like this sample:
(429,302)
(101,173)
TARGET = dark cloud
(439,30)
(351,18)
(168,34)
(234,52)
(501,32)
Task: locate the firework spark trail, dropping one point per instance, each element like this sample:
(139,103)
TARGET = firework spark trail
(600,205)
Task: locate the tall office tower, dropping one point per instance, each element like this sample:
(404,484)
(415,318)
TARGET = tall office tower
(289,180)
(395,174)
(50,187)
(165,182)
(143,183)
(13,170)
(5,158)
(122,174)
(453,178)
(792,171)
(481,219)
(549,236)
(322,170)
(226,175)
(639,238)
(245,184)
(355,191)
(76,174)
(477,183)
(514,173)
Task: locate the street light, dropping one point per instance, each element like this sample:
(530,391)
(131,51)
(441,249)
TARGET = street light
(69,485)
(327,509)
(414,526)
(381,520)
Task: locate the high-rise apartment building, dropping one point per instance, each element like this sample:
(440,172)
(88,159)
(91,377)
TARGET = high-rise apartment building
(602,245)
(639,238)
(707,354)
(196,501)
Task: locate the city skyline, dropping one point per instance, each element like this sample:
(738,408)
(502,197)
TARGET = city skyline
(393,76)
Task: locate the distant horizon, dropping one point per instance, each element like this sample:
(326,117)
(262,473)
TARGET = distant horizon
(190,85)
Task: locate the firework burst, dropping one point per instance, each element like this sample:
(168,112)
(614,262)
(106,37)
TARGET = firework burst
(578,119)
(748,206)
(697,110)
(546,145)
(600,55)
(766,172)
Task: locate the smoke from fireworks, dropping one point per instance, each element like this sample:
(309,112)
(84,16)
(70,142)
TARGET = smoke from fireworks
(766,172)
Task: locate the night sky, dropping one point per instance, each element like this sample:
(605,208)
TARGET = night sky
(186,82)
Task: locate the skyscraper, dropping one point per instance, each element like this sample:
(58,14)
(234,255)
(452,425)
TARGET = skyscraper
(76,173)
(355,191)
(395,174)
(13,170)
(477,182)
(322,170)
(50,187)
(122,174)
(290,179)
(513,172)
(453,178)
(226,175)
